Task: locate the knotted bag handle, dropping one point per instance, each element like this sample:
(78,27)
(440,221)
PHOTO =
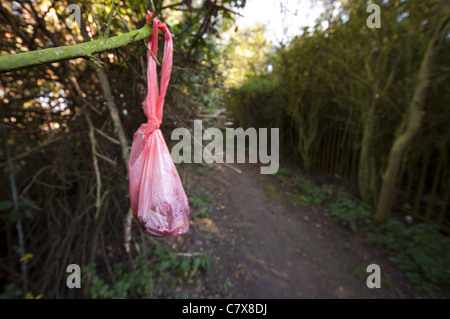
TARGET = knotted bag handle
(154,102)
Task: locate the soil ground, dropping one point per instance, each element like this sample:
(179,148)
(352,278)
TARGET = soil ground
(271,247)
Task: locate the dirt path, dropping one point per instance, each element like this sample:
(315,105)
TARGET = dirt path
(271,248)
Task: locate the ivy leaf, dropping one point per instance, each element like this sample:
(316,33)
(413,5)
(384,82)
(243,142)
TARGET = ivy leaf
(28,213)
(6,204)
(15,215)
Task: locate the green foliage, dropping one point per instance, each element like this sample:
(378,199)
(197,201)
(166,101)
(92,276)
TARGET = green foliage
(224,286)
(45,107)
(361,272)
(11,291)
(300,189)
(18,211)
(127,283)
(348,212)
(311,194)
(23,209)
(282,174)
(253,104)
(202,204)
(182,295)
(272,191)
(420,250)
(340,92)
(6,204)
(168,270)
(245,54)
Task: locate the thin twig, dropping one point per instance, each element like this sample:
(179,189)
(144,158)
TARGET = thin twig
(96,62)
(123,20)
(19,227)
(151,5)
(229,166)
(99,31)
(151,53)
(188,254)
(98,199)
(127,231)
(109,138)
(109,20)
(105,158)
(229,10)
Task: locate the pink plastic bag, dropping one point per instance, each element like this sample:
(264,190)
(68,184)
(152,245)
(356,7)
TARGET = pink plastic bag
(158,199)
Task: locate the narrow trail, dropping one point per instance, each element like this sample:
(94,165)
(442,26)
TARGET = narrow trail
(271,248)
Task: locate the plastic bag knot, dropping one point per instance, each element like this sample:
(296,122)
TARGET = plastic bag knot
(152,125)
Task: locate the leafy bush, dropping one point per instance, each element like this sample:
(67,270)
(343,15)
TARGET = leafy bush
(349,213)
(252,104)
(312,195)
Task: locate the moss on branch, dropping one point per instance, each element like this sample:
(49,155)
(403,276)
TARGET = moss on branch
(22,60)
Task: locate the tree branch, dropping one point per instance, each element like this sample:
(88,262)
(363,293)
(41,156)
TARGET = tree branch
(22,60)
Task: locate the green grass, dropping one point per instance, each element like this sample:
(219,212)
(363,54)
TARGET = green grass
(272,191)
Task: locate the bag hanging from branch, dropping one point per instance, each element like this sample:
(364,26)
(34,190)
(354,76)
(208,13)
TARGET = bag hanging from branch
(158,200)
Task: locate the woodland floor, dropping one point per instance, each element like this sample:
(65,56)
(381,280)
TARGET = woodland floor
(271,247)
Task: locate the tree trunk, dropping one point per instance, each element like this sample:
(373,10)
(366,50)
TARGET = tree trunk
(365,169)
(412,122)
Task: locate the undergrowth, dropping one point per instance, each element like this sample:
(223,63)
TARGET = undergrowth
(164,271)
(201,204)
(301,189)
(155,273)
